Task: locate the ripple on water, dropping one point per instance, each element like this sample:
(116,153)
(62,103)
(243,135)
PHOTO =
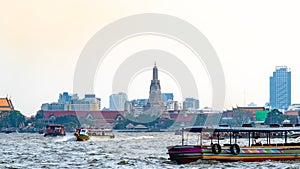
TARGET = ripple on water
(127,150)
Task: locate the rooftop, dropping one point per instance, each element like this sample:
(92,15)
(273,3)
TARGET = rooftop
(6,104)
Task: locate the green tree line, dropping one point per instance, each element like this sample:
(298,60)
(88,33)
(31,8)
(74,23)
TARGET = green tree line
(11,119)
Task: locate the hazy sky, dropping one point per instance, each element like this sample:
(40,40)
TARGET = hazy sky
(40,42)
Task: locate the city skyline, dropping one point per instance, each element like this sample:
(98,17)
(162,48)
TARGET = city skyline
(39,49)
(280,96)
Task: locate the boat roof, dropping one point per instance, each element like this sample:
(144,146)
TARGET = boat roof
(198,129)
(55,125)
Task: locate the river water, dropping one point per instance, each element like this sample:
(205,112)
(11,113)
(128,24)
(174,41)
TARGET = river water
(127,150)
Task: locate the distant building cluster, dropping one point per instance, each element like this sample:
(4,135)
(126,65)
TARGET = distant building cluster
(159,104)
(67,102)
(258,115)
(280,98)
(135,106)
(191,104)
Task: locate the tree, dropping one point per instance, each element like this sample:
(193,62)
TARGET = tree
(69,121)
(13,119)
(292,119)
(4,119)
(146,119)
(274,117)
(37,121)
(166,123)
(39,115)
(240,117)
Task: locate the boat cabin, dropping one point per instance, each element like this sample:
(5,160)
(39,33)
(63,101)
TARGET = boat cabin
(251,133)
(105,133)
(54,130)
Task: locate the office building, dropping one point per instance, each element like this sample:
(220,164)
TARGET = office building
(167,97)
(191,104)
(280,88)
(117,101)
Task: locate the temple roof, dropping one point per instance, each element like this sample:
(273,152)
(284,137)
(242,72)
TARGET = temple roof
(6,105)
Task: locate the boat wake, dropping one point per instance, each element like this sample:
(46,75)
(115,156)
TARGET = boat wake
(65,138)
(143,137)
(138,138)
(99,139)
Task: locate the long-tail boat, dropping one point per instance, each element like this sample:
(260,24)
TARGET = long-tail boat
(81,134)
(232,151)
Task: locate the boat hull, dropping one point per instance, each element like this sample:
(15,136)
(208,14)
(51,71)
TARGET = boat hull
(186,154)
(81,137)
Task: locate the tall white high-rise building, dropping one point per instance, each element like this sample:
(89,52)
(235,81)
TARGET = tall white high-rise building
(117,101)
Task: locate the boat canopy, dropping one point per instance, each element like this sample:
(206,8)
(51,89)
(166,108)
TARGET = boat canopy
(199,129)
(55,125)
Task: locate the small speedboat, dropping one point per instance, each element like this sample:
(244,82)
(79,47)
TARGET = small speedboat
(81,134)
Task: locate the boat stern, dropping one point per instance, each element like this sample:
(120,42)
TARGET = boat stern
(184,154)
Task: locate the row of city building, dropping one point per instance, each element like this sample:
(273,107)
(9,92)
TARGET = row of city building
(158,105)
(280,97)
(118,102)
(157,101)
(68,101)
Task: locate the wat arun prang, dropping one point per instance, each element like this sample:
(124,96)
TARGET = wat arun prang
(155,106)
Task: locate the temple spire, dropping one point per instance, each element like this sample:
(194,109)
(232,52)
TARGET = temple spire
(155,72)
(154,105)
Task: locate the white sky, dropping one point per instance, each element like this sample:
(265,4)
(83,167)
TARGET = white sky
(40,42)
